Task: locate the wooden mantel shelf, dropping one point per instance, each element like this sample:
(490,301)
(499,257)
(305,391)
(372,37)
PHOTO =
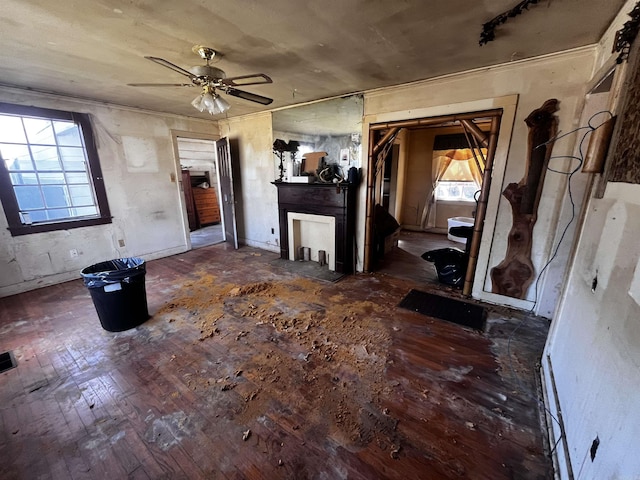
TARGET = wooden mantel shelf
(327,199)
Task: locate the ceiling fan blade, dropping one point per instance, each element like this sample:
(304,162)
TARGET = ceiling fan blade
(168,64)
(161,84)
(252,97)
(243,80)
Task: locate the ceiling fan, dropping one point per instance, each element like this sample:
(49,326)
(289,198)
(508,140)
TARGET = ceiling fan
(210,79)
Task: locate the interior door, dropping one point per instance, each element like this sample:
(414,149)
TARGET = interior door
(225,170)
(188,198)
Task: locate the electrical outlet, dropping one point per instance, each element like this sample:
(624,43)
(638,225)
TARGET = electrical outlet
(73,253)
(121,243)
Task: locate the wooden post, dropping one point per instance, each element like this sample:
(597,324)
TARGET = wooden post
(481,211)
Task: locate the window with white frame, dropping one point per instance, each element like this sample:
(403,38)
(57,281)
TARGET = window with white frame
(50,176)
(458,182)
(456,191)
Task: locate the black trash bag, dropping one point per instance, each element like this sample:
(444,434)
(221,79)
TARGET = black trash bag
(450,263)
(463,232)
(113,271)
(117,288)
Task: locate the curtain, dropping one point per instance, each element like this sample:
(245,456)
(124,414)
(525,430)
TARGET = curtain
(442,160)
(439,166)
(475,173)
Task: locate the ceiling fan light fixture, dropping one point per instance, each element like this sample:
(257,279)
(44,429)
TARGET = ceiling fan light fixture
(209,78)
(221,104)
(198,102)
(210,101)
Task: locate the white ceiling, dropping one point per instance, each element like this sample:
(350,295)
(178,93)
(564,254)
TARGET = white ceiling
(311,49)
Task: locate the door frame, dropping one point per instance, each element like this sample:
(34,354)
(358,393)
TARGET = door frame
(508,104)
(226,170)
(177,175)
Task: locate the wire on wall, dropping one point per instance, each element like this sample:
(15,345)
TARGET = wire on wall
(590,128)
(580,160)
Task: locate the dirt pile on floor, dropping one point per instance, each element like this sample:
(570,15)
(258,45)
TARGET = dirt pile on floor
(295,343)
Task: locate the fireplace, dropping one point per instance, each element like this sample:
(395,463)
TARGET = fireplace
(323,216)
(316,232)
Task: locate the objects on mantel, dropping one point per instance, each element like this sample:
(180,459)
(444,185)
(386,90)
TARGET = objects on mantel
(311,161)
(279,147)
(302,179)
(293,166)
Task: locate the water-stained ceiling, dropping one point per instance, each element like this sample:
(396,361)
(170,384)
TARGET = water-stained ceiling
(93,48)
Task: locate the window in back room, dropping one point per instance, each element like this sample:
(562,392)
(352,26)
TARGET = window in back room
(458,177)
(50,175)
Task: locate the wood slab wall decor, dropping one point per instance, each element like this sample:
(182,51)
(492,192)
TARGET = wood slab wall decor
(515,273)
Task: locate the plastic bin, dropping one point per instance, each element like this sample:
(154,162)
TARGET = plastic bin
(117,288)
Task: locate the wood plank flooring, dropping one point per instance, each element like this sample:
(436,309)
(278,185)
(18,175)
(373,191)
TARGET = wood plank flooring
(404,261)
(246,371)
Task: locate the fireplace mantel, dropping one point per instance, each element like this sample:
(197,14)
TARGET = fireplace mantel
(337,201)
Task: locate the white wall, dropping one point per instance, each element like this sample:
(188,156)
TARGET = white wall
(142,182)
(256,197)
(417,183)
(594,346)
(562,76)
(593,349)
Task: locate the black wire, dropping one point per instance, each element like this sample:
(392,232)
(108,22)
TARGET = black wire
(566,173)
(580,159)
(570,174)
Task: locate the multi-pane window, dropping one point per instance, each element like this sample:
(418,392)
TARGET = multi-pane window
(50,174)
(459,178)
(456,191)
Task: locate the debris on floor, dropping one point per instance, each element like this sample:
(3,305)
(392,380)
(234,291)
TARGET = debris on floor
(337,347)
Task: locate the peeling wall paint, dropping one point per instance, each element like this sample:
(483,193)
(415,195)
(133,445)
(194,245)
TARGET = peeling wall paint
(562,76)
(137,159)
(256,198)
(142,195)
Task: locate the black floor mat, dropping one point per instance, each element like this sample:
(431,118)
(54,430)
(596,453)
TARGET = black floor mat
(444,308)
(7,362)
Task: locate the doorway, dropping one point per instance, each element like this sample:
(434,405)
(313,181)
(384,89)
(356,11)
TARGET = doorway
(422,175)
(201,190)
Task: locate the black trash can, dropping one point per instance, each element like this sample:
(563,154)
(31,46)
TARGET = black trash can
(118,292)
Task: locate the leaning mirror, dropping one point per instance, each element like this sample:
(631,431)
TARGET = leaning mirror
(310,138)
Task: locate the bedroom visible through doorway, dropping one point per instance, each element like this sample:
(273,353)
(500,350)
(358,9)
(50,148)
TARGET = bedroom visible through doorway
(201,189)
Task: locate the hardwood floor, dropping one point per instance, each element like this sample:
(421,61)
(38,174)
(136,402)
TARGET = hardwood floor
(246,371)
(205,236)
(404,261)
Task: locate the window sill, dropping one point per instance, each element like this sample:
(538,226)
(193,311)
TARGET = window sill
(457,203)
(51,227)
